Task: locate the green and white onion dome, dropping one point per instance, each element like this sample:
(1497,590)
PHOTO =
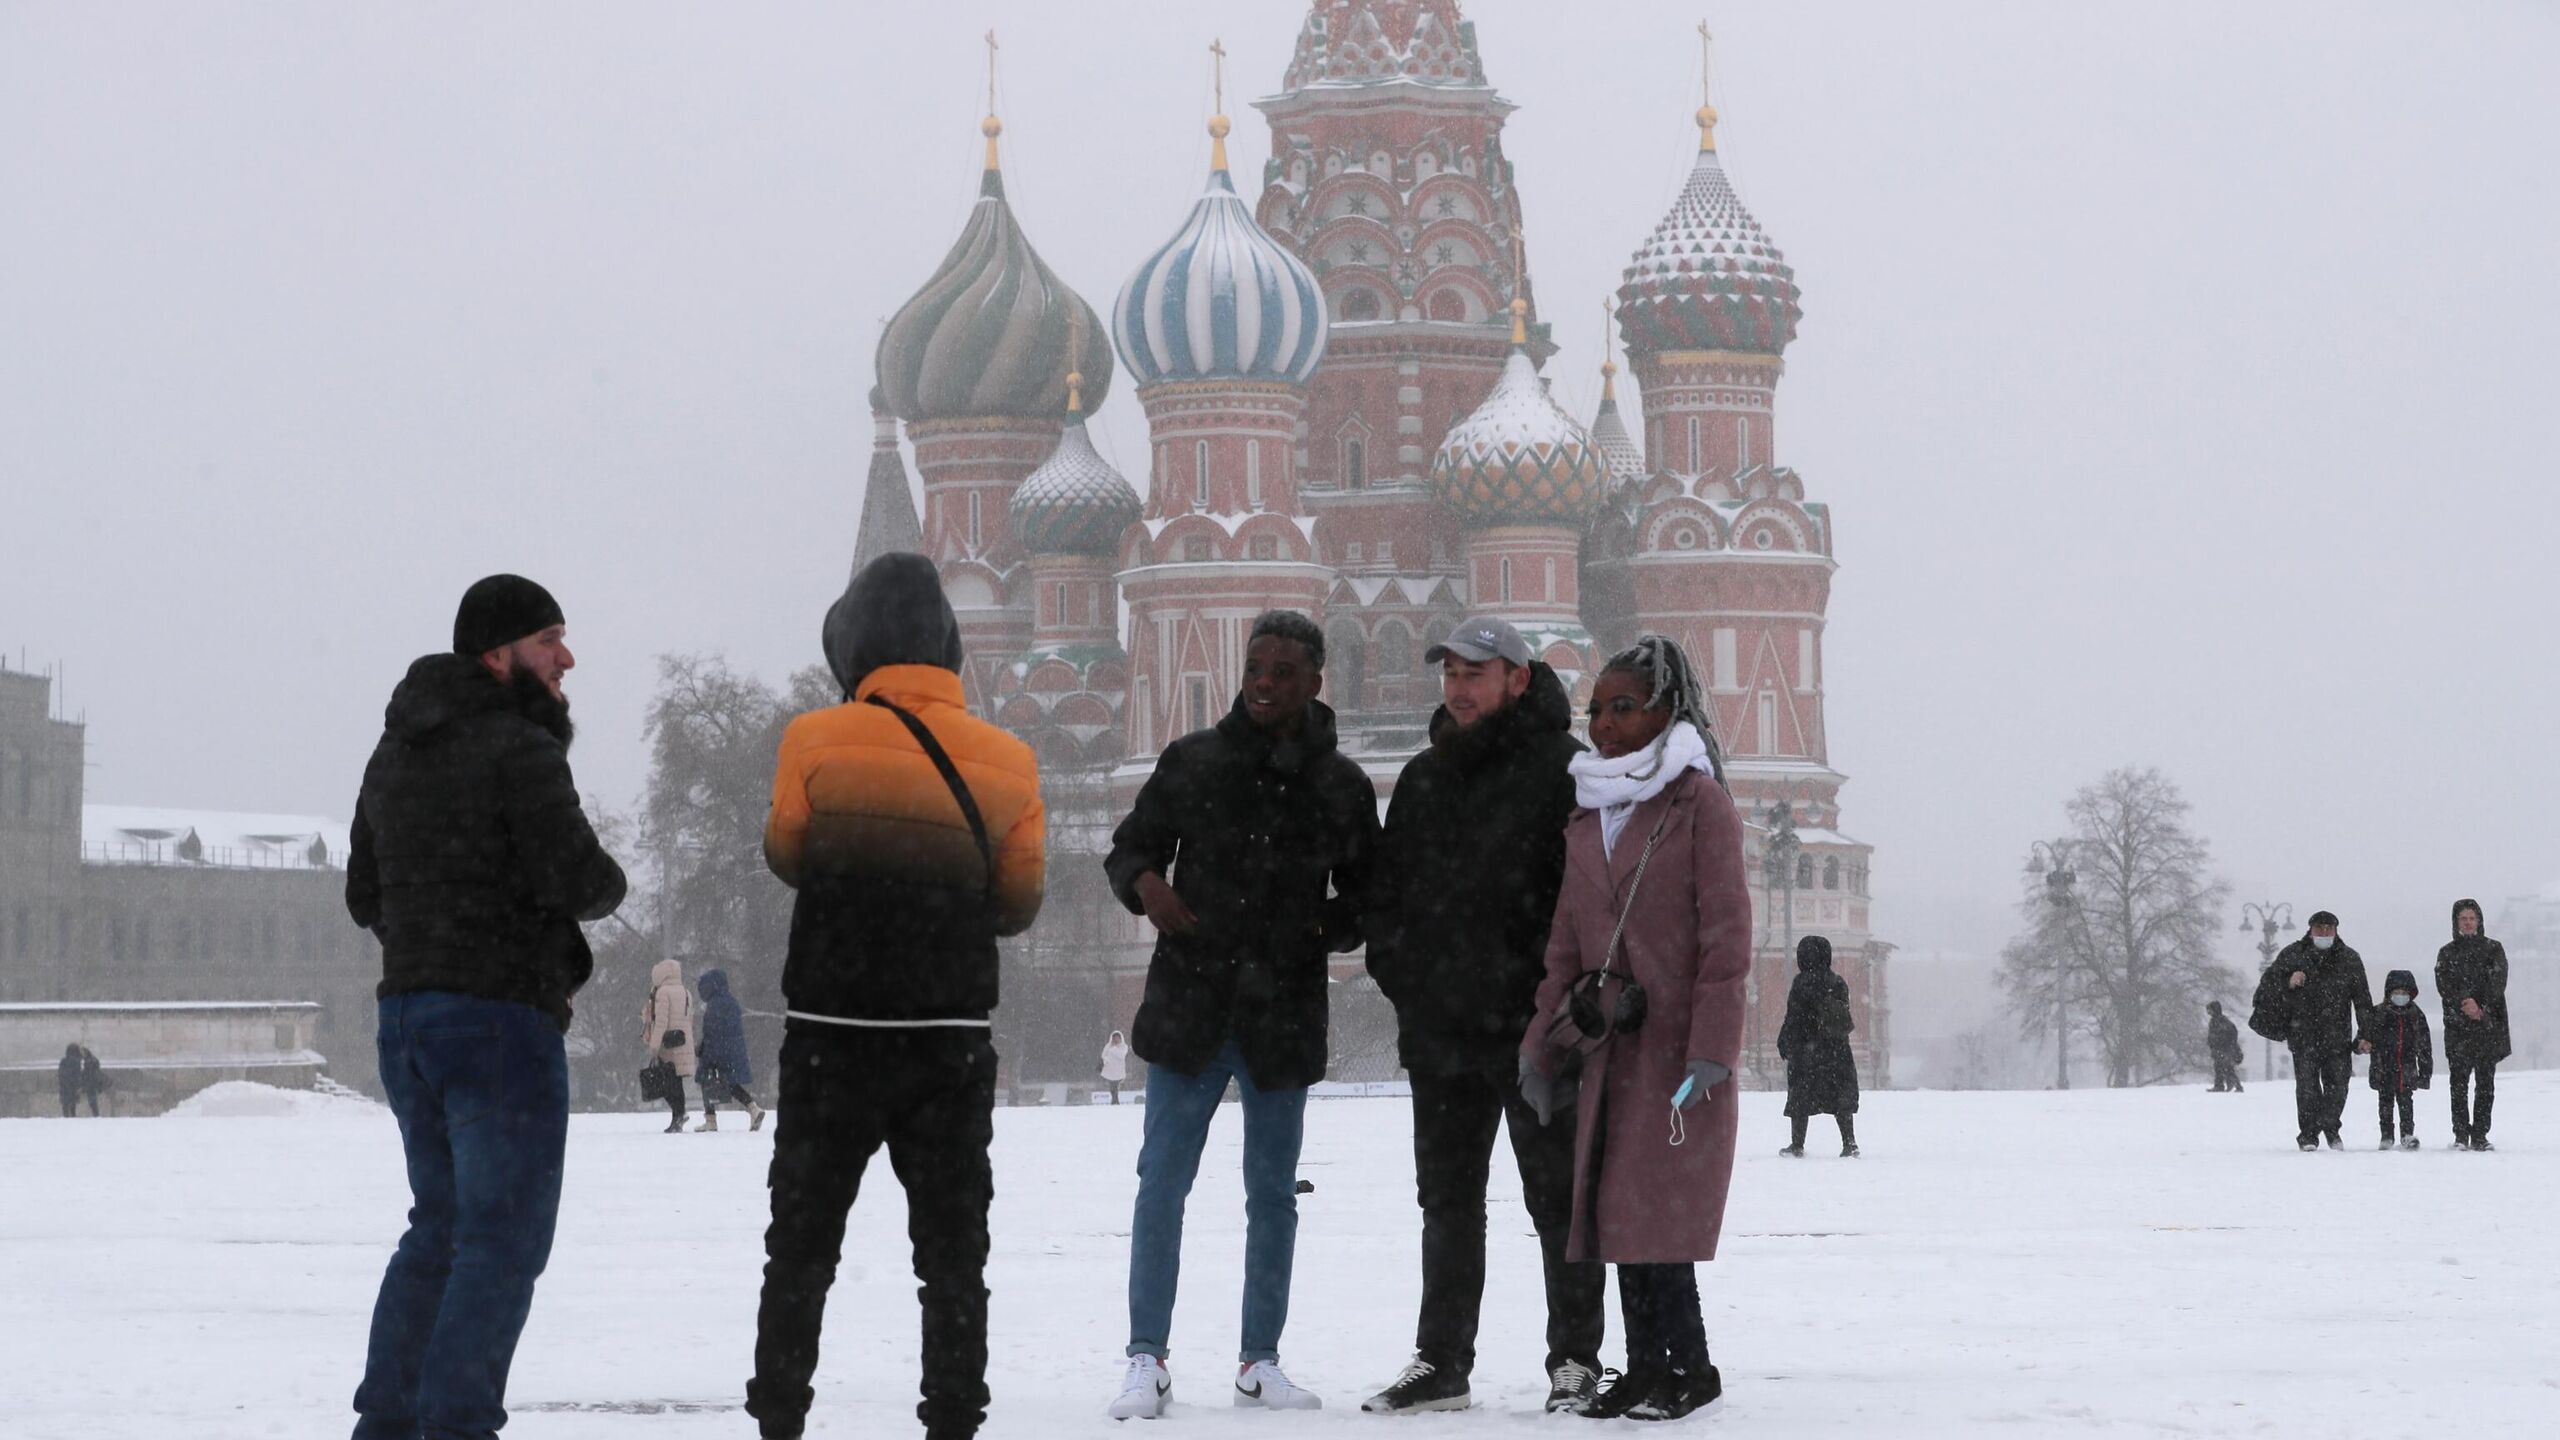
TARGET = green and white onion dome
(1075,503)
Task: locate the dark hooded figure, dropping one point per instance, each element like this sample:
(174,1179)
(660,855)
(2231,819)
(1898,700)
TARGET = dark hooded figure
(2222,1045)
(1822,1074)
(915,836)
(2471,981)
(66,1078)
(2404,1056)
(720,1054)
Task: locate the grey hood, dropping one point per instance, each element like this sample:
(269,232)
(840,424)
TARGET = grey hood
(894,613)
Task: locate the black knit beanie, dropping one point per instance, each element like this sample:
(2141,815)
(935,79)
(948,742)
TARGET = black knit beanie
(501,610)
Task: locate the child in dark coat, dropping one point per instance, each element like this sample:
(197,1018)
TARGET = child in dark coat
(2404,1056)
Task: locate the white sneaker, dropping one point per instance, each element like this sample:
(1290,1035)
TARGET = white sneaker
(1263,1383)
(1145,1390)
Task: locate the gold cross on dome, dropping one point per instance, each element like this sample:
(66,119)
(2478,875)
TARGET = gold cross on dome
(991,72)
(1218,71)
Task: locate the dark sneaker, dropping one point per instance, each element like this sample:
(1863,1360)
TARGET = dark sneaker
(1571,1387)
(2481,1142)
(1849,1152)
(1680,1393)
(1792,1151)
(2334,1142)
(1623,1392)
(2461,1141)
(2307,1143)
(1422,1386)
(2388,1144)
(2408,1142)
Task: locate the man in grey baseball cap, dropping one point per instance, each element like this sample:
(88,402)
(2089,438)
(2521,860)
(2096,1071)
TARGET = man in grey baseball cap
(1481,640)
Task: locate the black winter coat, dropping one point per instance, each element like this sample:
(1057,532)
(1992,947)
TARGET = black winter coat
(2325,1016)
(1822,1072)
(722,1045)
(472,861)
(2474,967)
(66,1077)
(1251,833)
(1465,886)
(2222,1039)
(2404,1049)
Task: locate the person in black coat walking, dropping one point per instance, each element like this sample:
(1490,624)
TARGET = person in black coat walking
(2471,980)
(1249,851)
(68,1077)
(1822,1072)
(1468,868)
(2222,1045)
(2316,999)
(2404,1056)
(721,1065)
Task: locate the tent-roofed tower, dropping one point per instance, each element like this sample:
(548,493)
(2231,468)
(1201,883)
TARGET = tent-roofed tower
(888,520)
(1729,557)
(976,364)
(1608,587)
(1388,178)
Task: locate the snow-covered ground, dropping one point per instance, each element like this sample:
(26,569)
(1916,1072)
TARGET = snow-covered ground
(2159,1262)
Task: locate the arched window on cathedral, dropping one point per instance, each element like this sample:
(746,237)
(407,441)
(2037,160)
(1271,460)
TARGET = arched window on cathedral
(1355,463)
(1394,649)
(1804,872)
(1831,873)
(1449,305)
(1360,305)
(1200,475)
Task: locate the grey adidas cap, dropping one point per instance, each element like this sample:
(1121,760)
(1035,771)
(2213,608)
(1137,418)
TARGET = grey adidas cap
(1480,640)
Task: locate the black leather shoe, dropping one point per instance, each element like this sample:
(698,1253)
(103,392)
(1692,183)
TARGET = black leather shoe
(1679,1393)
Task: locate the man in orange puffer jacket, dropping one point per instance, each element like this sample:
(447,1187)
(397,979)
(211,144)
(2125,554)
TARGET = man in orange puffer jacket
(906,877)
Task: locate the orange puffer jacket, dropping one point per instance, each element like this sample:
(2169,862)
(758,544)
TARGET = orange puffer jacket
(897,917)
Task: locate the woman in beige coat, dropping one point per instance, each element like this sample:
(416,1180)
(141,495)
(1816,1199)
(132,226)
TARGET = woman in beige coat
(667,1028)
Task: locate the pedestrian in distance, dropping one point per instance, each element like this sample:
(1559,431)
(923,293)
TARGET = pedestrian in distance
(1460,903)
(2471,982)
(1249,851)
(66,1079)
(94,1080)
(721,1065)
(474,865)
(2404,1057)
(1822,1072)
(1646,969)
(2315,998)
(2222,1047)
(667,1028)
(1115,1063)
(915,836)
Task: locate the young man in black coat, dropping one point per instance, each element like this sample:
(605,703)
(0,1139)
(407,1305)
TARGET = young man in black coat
(473,863)
(2222,1045)
(1249,851)
(2471,980)
(2317,987)
(1472,857)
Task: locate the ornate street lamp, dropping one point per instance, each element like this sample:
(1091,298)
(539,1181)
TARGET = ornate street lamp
(2051,859)
(2272,916)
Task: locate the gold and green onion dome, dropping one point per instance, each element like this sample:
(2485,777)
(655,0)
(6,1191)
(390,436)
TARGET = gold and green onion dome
(1518,458)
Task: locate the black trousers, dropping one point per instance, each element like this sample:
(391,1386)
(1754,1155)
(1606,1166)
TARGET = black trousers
(1454,1117)
(1796,1125)
(2471,1119)
(2403,1101)
(1665,1328)
(929,1096)
(2320,1083)
(2226,1073)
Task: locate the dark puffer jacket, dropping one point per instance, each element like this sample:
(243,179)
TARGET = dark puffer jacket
(2473,967)
(2326,1014)
(722,1047)
(1468,869)
(1822,1071)
(1251,832)
(2222,1038)
(2404,1050)
(472,861)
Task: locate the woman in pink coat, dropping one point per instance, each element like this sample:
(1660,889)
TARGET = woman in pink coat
(1653,864)
(667,1015)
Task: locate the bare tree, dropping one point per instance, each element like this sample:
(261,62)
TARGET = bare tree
(2124,948)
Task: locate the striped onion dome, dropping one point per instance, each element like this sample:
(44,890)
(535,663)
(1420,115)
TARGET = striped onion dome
(1518,459)
(1222,300)
(1618,453)
(987,336)
(1075,503)
(1708,278)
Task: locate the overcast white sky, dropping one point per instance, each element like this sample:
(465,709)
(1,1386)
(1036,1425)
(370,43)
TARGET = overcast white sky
(2181,374)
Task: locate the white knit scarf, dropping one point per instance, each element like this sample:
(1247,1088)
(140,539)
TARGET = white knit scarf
(1616,787)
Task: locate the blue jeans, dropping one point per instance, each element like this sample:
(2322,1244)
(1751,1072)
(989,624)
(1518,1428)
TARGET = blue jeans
(481,1091)
(1179,1108)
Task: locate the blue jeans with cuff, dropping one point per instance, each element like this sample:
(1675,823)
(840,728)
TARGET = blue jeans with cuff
(1179,1109)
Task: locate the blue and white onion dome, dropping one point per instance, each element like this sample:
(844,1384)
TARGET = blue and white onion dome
(1518,458)
(1222,300)
(1075,503)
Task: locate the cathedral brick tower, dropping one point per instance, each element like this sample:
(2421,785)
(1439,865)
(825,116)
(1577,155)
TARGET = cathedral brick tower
(976,364)
(1387,176)
(1724,553)
(1221,328)
(1066,693)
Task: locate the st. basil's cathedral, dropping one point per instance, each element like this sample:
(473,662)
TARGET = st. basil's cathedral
(1342,388)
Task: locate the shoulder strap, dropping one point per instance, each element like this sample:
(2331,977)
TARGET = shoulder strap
(950,776)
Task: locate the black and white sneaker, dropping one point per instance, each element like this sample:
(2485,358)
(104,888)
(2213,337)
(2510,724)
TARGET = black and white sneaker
(2408,1142)
(1679,1393)
(1422,1386)
(1571,1387)
(2334,1142)
(1624,1392)
(2308,1144)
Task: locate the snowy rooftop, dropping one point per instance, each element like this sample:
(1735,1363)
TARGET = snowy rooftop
(210,839)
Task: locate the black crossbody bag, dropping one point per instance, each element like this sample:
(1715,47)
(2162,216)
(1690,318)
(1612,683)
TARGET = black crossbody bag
(941,759)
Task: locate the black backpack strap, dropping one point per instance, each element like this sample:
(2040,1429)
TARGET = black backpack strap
(950,776)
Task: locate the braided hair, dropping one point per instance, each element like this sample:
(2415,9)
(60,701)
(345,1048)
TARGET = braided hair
(1672,681)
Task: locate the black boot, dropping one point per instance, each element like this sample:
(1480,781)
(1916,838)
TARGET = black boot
(1795,1146)
(1848,1150)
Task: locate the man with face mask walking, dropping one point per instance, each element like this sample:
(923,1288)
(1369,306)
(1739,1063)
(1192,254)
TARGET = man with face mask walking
(2316,994)
(2471,979)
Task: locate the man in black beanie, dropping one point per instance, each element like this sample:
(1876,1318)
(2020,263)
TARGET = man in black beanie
(2317,995)
(473,864)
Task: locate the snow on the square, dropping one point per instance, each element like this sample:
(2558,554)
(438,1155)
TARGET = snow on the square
(2151,1262)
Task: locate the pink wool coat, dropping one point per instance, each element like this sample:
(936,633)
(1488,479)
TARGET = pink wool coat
(1637,1198)
(669,1007)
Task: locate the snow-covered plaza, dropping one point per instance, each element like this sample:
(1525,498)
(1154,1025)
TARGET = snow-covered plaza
(2103,1263)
